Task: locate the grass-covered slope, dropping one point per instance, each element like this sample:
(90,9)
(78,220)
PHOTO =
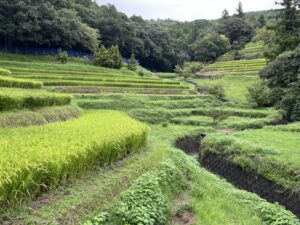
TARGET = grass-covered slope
(272,151)
(37,158)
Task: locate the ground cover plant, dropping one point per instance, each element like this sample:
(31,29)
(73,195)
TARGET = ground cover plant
(34,159)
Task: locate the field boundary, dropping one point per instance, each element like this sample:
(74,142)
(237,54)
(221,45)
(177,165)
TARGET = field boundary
(248,180)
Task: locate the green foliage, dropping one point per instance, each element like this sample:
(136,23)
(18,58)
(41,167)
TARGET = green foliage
(217,89)
(19,83)
(210,47)
(43,156)
(131,64)
(15,99)
(225,14)
(240,11)
(282,78)
(260,95)
(147,200)
(261,21)
(108,57)
(236,28)
(63,57)
(188,69)
(4,72)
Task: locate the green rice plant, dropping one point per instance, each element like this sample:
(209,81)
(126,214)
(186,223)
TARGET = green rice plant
(110,84)
(16,99)
(11,82)
(36,159)
(4,72)
(99,78)
(41,116)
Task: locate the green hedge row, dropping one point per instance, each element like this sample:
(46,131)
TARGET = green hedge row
(10,100)
(11,82)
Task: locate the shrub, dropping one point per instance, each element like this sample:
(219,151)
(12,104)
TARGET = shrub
(141,73)
(63,57)
(219,115)
(216,89)
(131,64)
(108,57)
(4,72)
(188,69)
(259,94)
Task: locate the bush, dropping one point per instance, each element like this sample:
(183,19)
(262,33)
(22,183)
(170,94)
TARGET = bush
(63,57)
(141,73)
(259,94)
(131,64)
(188,69)
(216,89)
(4,72)
(108,57)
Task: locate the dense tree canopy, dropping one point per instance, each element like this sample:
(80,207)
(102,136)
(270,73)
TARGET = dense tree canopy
(235,28)
(83,25)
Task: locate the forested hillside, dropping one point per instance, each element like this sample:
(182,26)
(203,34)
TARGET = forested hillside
(83,25)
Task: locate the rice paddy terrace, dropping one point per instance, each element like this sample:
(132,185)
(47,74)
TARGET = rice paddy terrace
(235,75)
(105,152)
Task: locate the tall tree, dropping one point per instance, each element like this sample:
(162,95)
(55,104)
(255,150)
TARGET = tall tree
(240,11)
(261,21)
(225,14)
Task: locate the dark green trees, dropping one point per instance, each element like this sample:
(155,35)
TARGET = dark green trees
(210,47)
(235,28)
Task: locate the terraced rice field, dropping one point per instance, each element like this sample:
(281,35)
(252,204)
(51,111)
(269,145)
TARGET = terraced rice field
(98,166)
(251,51)
(37,158)
(88,76)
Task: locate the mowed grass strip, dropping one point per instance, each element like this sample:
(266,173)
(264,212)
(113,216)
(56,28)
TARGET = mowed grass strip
(11,82)
(17,99)
(35,159)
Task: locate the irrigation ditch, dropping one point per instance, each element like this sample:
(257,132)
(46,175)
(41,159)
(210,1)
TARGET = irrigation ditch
(245,179)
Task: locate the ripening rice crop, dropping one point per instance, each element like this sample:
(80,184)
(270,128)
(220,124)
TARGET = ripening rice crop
(16,99)
(11,82)
(34,159)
